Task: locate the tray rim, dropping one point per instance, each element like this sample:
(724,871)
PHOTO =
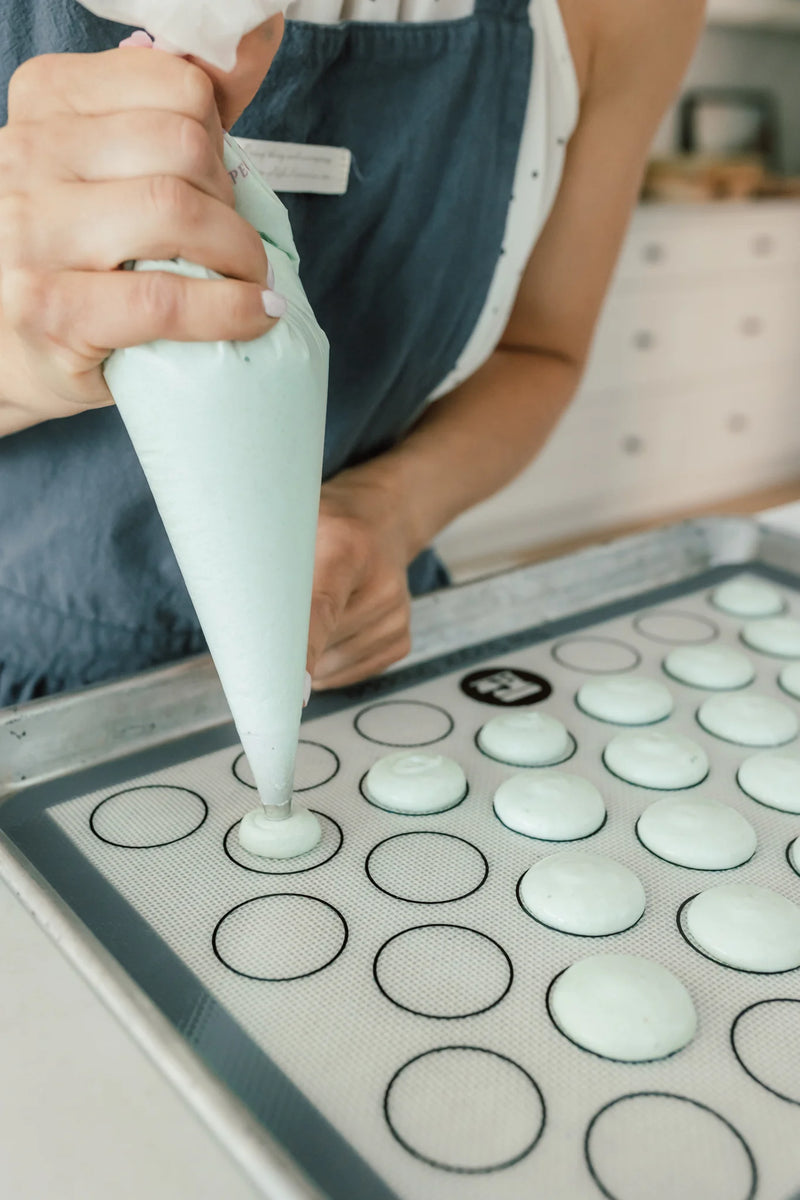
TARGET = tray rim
(103,722)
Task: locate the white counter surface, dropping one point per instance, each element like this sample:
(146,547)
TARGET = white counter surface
(84,1115)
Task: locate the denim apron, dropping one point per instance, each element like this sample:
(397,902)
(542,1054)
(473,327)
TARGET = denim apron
(397,271)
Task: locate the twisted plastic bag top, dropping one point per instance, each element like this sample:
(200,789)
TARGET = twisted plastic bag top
(207,29)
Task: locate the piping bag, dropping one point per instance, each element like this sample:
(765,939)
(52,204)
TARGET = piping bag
(230,438)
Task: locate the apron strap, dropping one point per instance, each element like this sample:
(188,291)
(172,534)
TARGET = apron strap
(516,9)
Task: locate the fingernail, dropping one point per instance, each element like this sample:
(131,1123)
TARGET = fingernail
(270,277)
(139,39)
(274,303)
(307,690)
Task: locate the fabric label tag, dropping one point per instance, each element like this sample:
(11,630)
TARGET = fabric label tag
(294,167)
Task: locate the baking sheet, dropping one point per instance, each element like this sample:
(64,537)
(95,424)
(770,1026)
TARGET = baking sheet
(314,1058)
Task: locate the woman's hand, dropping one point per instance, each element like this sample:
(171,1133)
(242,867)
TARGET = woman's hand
(106,158)
(361,606)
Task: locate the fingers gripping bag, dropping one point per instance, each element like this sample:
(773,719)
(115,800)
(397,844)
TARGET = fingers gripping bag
(230,438)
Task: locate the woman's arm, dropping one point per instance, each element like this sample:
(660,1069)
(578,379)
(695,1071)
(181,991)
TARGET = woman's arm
(375,518)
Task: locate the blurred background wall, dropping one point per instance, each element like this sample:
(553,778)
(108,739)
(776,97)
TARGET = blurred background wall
(691,401)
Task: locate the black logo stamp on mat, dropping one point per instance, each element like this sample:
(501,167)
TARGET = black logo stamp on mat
(505,687)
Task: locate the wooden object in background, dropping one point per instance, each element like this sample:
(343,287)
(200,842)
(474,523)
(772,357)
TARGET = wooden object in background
(698,179)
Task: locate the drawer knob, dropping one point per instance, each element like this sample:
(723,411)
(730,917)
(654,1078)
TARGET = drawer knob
(752,326)
(654,252)
(644,339)
(632,444)
(763,245)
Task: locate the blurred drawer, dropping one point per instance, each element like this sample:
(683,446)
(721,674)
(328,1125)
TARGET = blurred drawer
(657,336)
(675,436)
(662,244)
(760,14)
(625,456)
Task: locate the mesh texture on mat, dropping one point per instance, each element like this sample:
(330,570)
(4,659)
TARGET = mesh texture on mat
(515,1091)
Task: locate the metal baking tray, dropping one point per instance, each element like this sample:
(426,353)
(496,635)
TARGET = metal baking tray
(54,739)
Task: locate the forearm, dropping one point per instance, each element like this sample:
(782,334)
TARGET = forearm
(473,441)
(15,412)
(20,405)
(30,395)
(12,419)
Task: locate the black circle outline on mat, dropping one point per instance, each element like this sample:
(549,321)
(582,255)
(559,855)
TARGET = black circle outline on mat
(622,724)
(626,1062)
(432,1162)
(399,812)
(299,870)
(684,866)
(674,612)
(591,671)
(522,672)
(144,787)
(679,919)
(571,932)
(556,762)
(443,1016)
(554,841)
(792,867)
(786,812)
(431,833)
(309,787)
(687,787)
(403,745)
(737,1055)
(745,745)
(279,978)
(669,1096)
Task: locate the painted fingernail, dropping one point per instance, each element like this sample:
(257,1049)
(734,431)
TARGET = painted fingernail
(270,277)
(307,690)
(274,303)
(138,39)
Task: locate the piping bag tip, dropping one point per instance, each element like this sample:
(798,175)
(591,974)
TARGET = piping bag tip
(296,834)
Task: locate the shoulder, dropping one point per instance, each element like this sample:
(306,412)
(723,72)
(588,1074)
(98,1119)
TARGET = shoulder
(638,47)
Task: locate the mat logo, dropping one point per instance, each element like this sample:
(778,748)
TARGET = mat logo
(506,687)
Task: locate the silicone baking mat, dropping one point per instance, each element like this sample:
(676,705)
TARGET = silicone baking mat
(381,1004)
